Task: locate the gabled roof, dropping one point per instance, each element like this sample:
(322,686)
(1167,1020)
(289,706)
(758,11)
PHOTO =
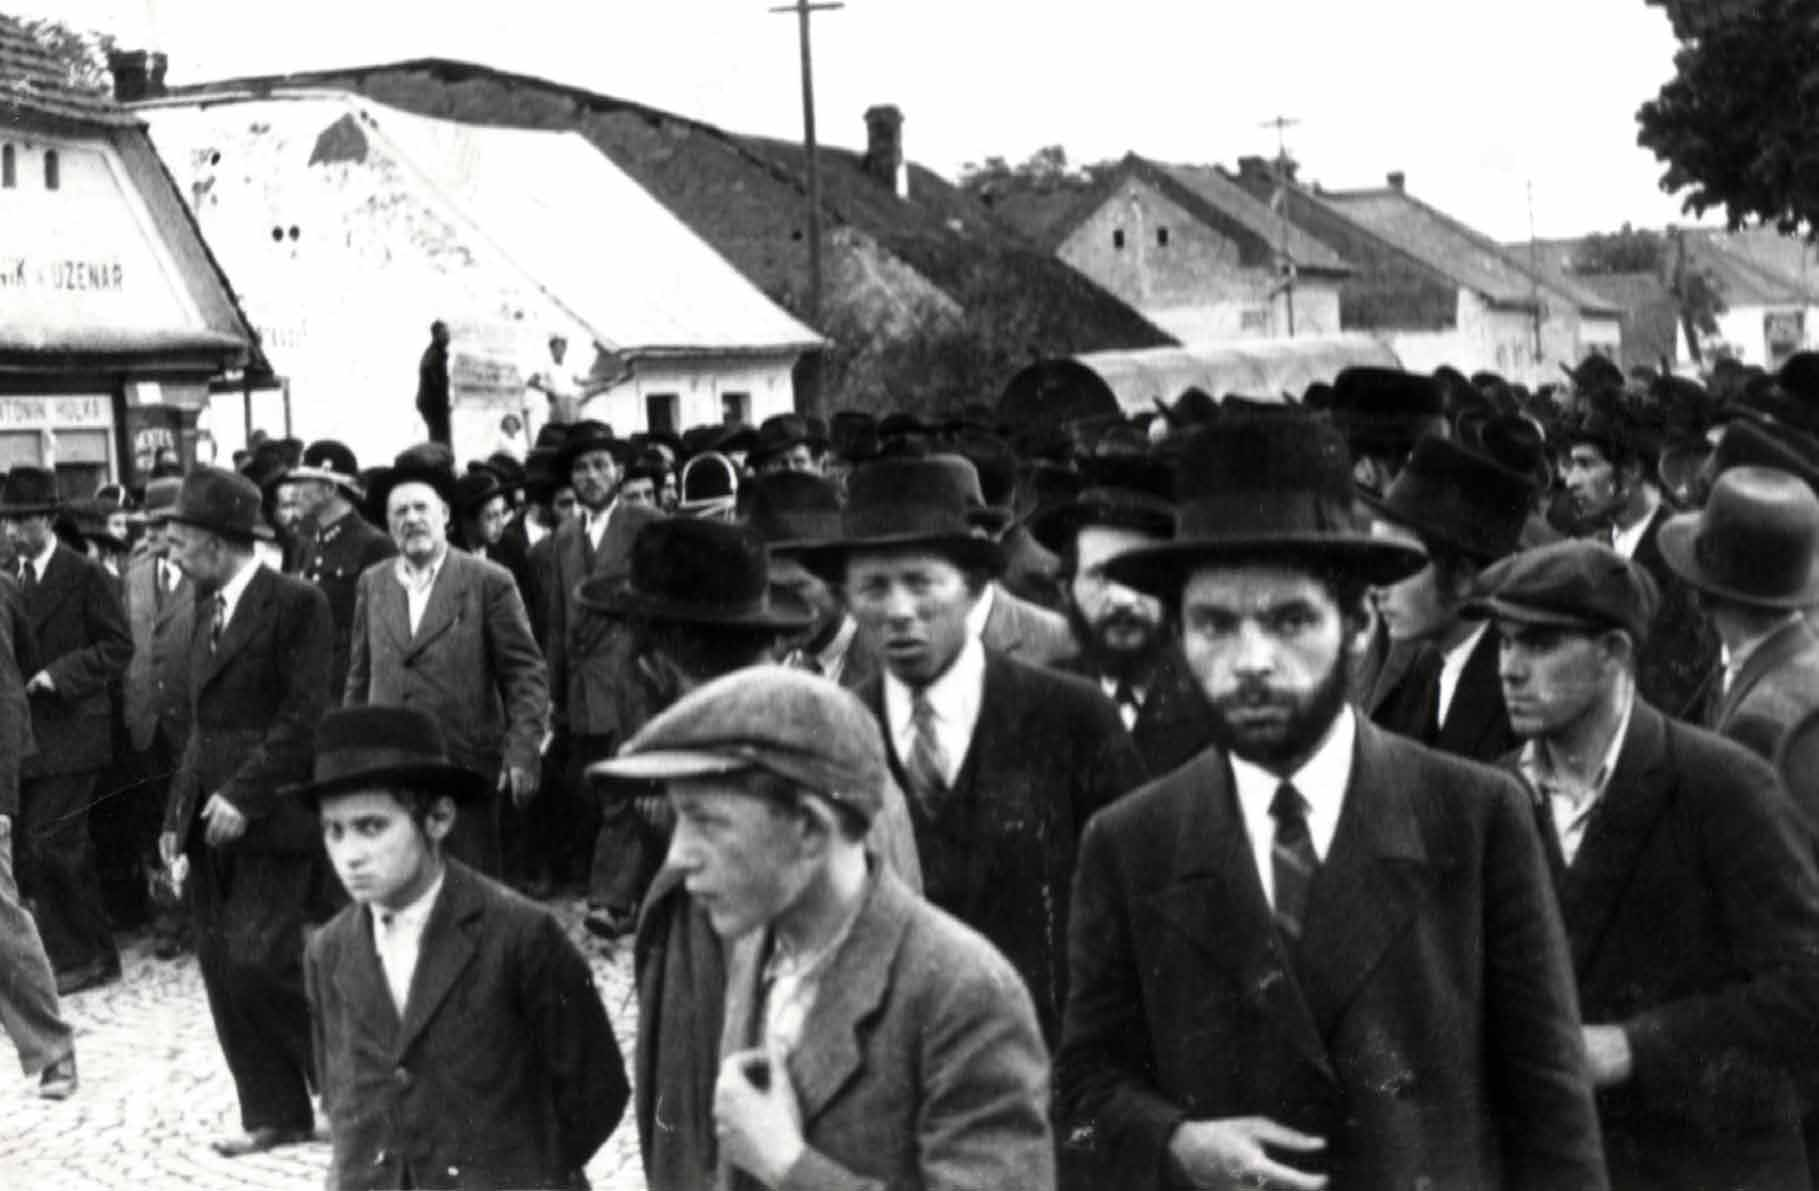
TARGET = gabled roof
(33,81)
(1215,196)
(544,204)
(1449,247)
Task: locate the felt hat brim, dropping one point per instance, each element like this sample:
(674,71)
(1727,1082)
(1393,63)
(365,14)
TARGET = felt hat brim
(258,533)
(782,611)
(348,484)
(967,551)
(463,785)
(30,510)
(1679,538)
(1160,570)
(668,766)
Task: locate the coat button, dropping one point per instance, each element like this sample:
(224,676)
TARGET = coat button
(401,1077)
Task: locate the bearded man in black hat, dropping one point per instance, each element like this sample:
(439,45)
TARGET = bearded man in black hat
(1317,954)
(1126,643)
(247,855)
(335,543)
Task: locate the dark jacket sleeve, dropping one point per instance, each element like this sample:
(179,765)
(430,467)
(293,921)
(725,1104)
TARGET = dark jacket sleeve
(588,1086)
(1540,1081)
(1117,769)
(523,677)
(102,662)
(555,634)
(359,652)
(306,642)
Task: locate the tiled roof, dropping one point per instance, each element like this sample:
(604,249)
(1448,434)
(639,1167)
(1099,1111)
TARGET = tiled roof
(1451,248)
(32,81)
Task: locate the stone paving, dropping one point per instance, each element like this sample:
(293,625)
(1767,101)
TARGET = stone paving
(155,1091)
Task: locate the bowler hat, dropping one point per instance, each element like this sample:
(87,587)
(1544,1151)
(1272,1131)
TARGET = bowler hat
(689,571)
(584,437)
(1385,408)
(331,462)
(1260,487)
(911,504)
(855,435)
(791,510)
(1596,373)
(1576,583)
(414,465)
(1122,492)
(800,727)
(377,747)
(1455,497)
(1753,542)
(780,433)
(28,492)
(474,489)
(160,498)
(221,502)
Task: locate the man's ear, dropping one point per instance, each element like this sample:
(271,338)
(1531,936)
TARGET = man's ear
(441,818)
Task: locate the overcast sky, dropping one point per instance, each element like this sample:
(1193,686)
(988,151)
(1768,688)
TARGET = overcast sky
(1476,100)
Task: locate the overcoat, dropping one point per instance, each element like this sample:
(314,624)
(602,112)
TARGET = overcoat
(1175,721)
(1028,632)
(1678,659)
(80,636)
(1477,725)
(1778,685)
(503,1072)
(157,679)
(18,662)
(591,674)
(1425,1025)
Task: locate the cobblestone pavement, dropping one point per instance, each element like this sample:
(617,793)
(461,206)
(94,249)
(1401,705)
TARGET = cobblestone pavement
(155,1091)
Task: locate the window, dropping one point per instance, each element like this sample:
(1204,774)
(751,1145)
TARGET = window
(53,171)
(660,413)
(1162,237)
(735,408)
(9,168)
(1118,237)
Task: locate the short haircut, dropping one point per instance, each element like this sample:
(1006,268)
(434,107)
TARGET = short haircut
(788,797)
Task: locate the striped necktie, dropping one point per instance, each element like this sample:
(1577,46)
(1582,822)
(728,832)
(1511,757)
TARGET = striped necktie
(217,624)
(1293,862)
(927,762)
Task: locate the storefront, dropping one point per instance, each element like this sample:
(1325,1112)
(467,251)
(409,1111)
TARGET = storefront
(114,319)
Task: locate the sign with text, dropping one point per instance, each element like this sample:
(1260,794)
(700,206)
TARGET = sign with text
(59,413)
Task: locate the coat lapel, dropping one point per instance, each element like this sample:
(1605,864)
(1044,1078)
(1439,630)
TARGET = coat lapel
(362,981)
(1620,829)
(1477,711)
(247,615)
(1770,656)
(1216,902)
(1370,886)
(392,609)
(447,949)
(54,586)
(439,612)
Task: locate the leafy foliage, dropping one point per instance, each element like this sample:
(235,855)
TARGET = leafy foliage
(1046,171)
(82,53)
(1626,250)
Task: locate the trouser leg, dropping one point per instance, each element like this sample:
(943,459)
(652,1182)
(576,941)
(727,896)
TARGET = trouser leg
(60,875)
(28,989)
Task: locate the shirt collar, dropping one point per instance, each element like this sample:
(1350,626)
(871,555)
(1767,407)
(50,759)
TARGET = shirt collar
(1735,662)
(835,651)
(413,916)
(42,560)
(412,576)
(1537,764)
(981,610)
(1322,779)
(234,588)
(955,695)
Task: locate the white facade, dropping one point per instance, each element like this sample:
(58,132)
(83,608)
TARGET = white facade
(1763,336)
(1504,341)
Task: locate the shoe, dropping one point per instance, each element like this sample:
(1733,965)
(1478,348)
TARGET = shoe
(259,1141)
(58,1082)
(610,924)
(90,975)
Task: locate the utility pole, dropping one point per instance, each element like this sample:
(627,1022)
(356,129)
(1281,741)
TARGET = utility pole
(1534,268)
(1280,201)
(804,9)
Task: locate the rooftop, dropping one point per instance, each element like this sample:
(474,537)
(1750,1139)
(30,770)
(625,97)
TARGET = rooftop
(33,81)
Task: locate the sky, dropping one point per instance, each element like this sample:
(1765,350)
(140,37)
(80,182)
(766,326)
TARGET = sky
(1507,114)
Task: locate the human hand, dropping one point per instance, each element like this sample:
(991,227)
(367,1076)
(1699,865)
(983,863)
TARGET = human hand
(225,822)
(1608,1050)
(519,783)
(1230,1153)
(756,1118)
(168,850)
(41,684)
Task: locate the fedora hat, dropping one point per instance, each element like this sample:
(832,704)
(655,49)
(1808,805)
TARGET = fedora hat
(1260,487)
(780,432)
(1754,541)
(1121,492)
(426,463)
(583,437)
(474,489)
(29,492)
(1596,373)
(1385,408)
(912,504)
(160,498)
(689,571)
(331,462)
(373,747)
(1458,498)
(222,502)
(791,510)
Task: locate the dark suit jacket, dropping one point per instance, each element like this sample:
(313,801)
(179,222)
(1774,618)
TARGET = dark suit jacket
(591,675)
(503,1073)
(1692,909)
(1019,629)
(81,640)
(1477,725)
(334,557)
(1047,752)
(1681,654)
(1425,1026)
(18,662)
(1778,685)
(157,679)
(920,1063)
(254,703)
(472,663)
(1174,722)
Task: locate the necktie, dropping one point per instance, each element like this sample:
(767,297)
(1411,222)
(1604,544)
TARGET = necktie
(218,623)
(1292,860)
(28,577)
(927,764)
(1129,706)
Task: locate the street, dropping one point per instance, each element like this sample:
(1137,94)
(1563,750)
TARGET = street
(155,1091)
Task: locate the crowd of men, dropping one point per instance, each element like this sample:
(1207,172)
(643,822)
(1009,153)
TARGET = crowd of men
(1412,783)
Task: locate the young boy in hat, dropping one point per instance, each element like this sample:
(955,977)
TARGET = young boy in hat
(459,1037)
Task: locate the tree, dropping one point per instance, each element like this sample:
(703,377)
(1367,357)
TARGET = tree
(1698,295)
(1738,124)
(1045,171)
(1625,250)
(82,53)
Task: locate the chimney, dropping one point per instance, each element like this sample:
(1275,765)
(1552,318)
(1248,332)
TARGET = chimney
(1256,169)
(138,74)
(1398,181)
(884,148)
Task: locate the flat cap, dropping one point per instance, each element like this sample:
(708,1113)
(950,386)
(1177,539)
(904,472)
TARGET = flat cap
(798,726)
(1575,584)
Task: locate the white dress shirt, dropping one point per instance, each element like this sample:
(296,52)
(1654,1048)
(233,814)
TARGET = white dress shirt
(1321,782)
(398,937)
(1128,712)
(955,698)
(1452,668)
(417,586)
(594,524)
(982,610)
(42,560)
(1627,541)
(1570,802)
(232,590)
(832,659)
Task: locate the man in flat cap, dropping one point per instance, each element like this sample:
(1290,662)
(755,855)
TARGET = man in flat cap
(868,1038)
(1686,879)
(1318,954)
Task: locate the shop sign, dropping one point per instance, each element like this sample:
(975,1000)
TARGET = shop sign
(31,413)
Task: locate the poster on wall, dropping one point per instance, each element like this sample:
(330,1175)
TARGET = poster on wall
(1783,334)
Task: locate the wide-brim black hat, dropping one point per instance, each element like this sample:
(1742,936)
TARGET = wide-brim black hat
(791,510)
(694,571)
(377,748)
(1259,488)
(1133,493)
(410,467)
(29,492)
(902,504)
(584,437)
(1458,498)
